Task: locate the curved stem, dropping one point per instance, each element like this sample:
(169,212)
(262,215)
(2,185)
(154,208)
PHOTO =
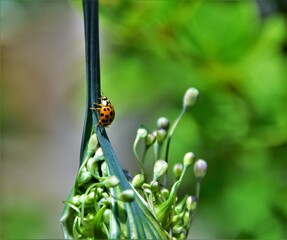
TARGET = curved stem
(169,140)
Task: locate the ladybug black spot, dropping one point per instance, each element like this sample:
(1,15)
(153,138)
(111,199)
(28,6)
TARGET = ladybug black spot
(102,114)
(105,109)
(109,109)
(111,113)
(107,116)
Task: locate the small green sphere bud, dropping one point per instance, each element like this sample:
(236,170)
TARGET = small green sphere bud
(90,197)
(93,142)
(111,181)
(186,218)
(177,170)
(165,192)
(82,198)
(76,200)
(106,216)
(138,180)
(159,168)
(150,139)
(161,135)
(154,186)
(191,202)
(90,216)
(177,229)
(105,195)
(84,178)
(163,123)
(190,97)
(99,155)
(188,159)
(127,196)
(142,132)
(200,168)
(104,169)
(175,219)
(92,166)
(99,192)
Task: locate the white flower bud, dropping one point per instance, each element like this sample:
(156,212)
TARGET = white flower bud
(138,180)
(142,132)
(200,168)
(93,142)
(163,123)
(150,139)
(111,181)
(188,159)
(161,135)
(177,170)
(190,97)
(99,155)
(127,195)
(84,178)
(159,168)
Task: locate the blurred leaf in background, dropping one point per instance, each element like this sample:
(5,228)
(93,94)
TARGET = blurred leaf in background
(236,58)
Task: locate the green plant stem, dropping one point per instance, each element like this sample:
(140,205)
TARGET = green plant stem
(137,156)
(169,140)
(198,185)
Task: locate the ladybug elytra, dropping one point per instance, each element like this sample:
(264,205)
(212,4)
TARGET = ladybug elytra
(106,111)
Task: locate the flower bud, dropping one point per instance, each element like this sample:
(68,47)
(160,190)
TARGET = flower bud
(82,198)
(76,200)
(165,192)
(99,155)
(138,180)
(177,170)
(159,168)
(154,186)
(188,159)
(150,139)
(92,166)
(93,142)
(90,216)
(127,195)
(106,216)
(84,178)
(177,229)
(104,169)
(161,135)
(90,197)
(186,218)
(190,97)
(191,202)
(111,181)
(105,195)
(163,123)
(200,168)
(175,219)
(99,192)
(142,132)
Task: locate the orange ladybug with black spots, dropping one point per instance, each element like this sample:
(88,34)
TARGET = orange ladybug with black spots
(106,111)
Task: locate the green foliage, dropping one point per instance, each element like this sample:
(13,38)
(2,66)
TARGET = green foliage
(157,48)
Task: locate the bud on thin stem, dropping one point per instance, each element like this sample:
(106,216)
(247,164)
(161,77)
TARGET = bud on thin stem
(163,123)
(190,97)
(159,169)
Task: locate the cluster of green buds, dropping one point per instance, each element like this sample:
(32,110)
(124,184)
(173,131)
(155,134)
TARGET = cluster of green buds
(89,204)
(99,208)
(174,215)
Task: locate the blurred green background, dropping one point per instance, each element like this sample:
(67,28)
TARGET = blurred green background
(234,52)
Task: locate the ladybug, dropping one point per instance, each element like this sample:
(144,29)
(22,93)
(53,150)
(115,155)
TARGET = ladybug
(106,111)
